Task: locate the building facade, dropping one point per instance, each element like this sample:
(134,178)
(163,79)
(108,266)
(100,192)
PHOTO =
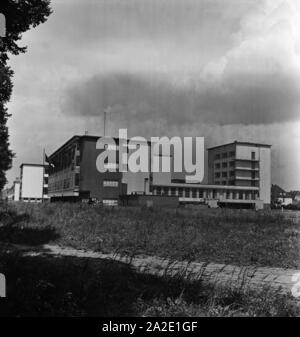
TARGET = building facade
(239,175)
(73,174)
(34,183)
(12,193)
(241,164)
(32,186)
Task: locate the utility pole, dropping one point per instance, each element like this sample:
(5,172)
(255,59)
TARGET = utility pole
(107,110)
(104,121)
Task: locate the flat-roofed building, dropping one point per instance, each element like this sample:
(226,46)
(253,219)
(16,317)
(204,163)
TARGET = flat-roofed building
(74,175)
(239,174)
(34,182)
(242,164)
(12,193)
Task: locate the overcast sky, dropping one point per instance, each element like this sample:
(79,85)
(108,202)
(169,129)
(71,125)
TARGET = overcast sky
(223,69)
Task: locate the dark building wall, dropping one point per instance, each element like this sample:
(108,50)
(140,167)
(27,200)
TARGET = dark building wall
(216,156)
(91,180)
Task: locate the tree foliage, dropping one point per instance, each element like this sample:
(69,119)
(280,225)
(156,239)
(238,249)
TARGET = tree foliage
(20,15)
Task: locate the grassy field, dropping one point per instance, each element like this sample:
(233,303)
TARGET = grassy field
(47,286)
(213,235)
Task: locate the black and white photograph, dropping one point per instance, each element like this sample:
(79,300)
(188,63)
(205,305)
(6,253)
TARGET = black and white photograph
(149,161)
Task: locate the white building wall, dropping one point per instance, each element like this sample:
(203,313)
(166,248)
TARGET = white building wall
(17,191)
(244,152)
(32,182)
(263,154)
(265,175)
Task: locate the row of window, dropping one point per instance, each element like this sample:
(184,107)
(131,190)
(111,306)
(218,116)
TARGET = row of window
(199,193)
(232,174)
(64,183)
(225,155)
(225,182)
(110,183)
(224,165)
(231,154)
(224,174)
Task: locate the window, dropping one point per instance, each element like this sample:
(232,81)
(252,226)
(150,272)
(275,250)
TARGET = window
(158,191)
(253,155)
(173,191)
(227,195)
(187,192)
(224,155)
(253,166)
(253,175)
(218,166)
(224,165)
(217,156)
(77,178)
(224,174)
(231,173)
(180,192)
(224,183)
(217,175)
(110,183)
(194,193)
(232,154)
(45,180)
(241,195)
(77,160)
(231,164)
(200,193)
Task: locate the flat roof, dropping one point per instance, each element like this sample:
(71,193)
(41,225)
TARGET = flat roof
(27,164)
(77,137)
(216,187)
(240,143)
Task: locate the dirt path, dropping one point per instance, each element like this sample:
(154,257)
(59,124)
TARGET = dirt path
(286,281)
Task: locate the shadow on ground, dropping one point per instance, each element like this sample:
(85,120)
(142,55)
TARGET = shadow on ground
(14,229)
(27,236)
(69,286)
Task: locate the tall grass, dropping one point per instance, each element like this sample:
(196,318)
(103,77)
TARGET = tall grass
(241,237)
(69,286)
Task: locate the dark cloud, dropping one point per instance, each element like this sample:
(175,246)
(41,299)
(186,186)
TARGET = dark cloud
(108,20)
(237,99)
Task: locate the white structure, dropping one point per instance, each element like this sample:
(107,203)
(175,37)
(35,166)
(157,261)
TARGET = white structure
(239,174)
(285,201)
(12,193)
(34,183)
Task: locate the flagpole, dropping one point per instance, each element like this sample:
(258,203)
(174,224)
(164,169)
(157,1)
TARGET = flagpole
(43,174)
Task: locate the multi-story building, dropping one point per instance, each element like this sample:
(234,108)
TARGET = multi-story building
(74,175)
(34,183)
(239,174)
(241,164)
(12,193)
(32,186)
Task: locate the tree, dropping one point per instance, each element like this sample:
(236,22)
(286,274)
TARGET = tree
(20,16)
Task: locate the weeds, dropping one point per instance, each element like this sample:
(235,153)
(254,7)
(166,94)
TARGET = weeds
(45,286)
